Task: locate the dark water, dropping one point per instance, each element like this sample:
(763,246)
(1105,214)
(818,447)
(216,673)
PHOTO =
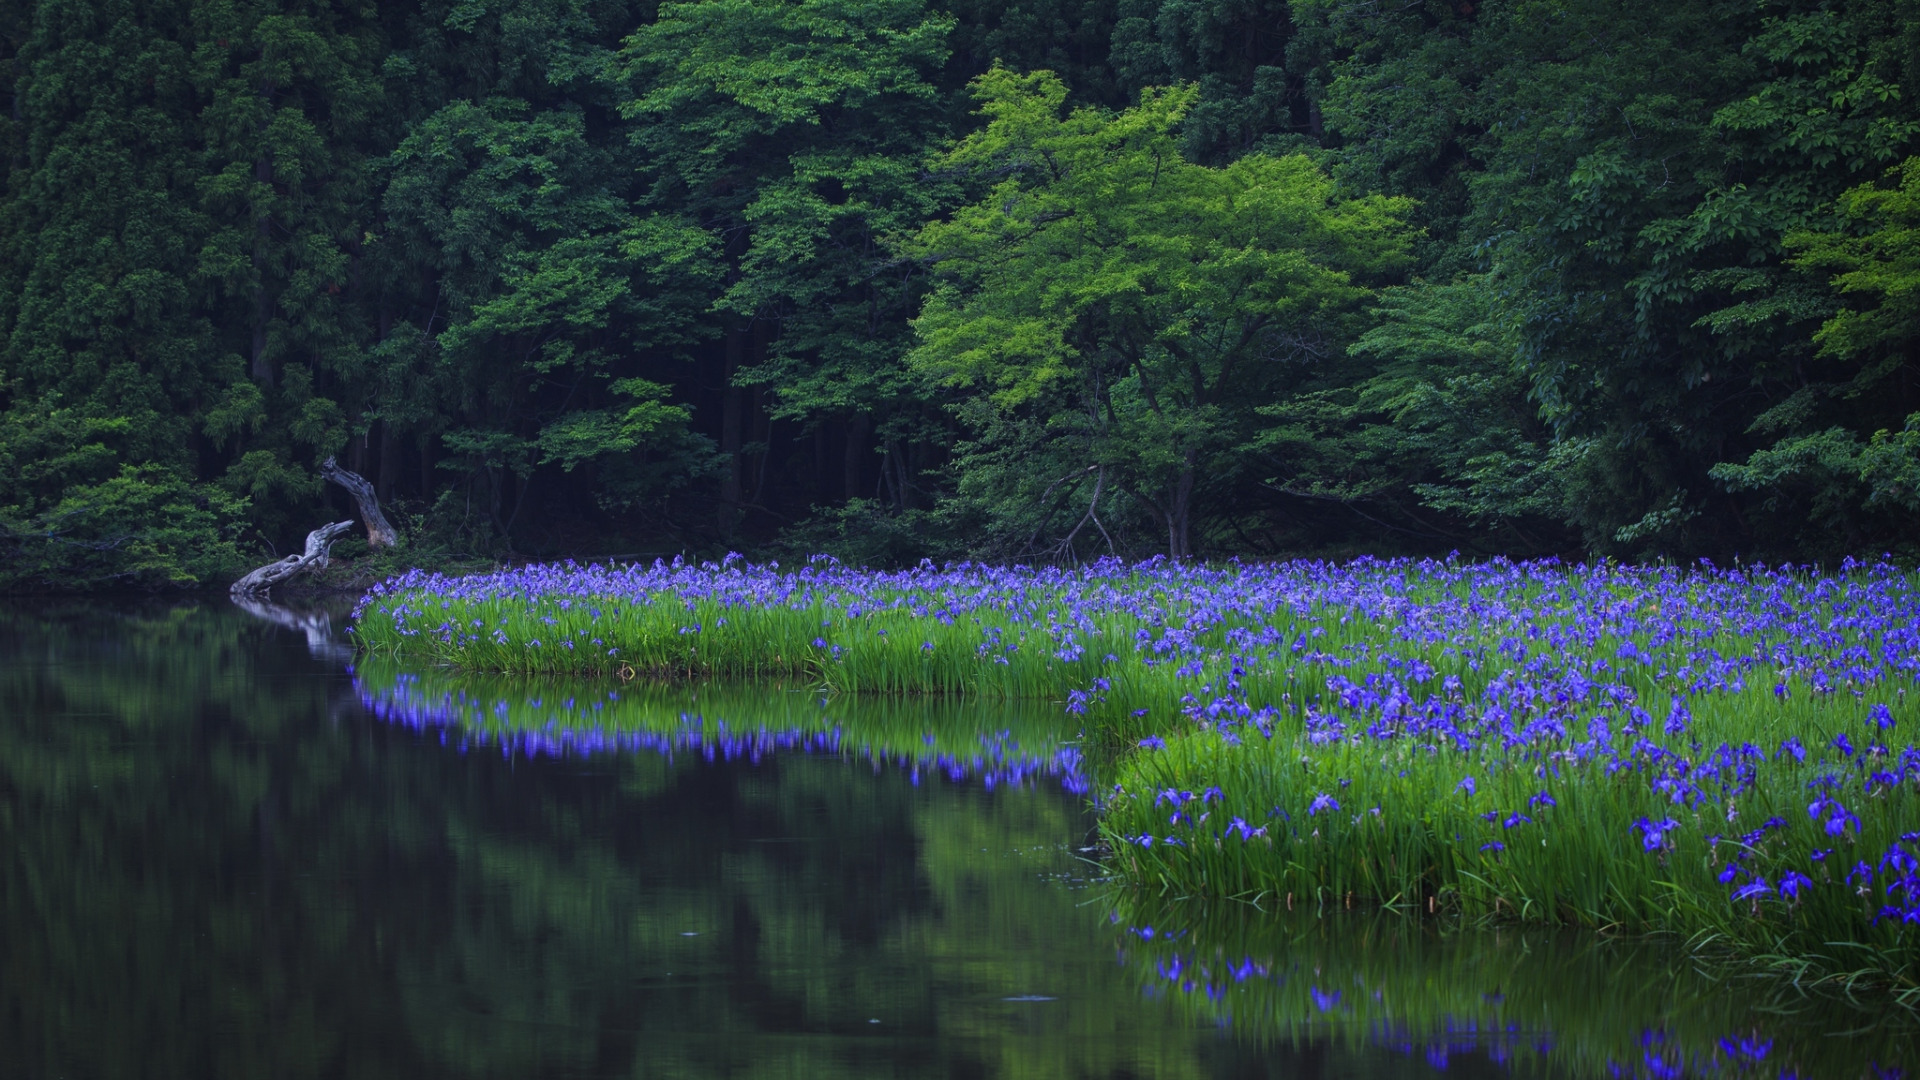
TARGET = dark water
(228,855)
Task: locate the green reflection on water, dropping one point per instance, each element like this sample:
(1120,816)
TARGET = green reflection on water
(995,742)
(1561,1002)
(218,862)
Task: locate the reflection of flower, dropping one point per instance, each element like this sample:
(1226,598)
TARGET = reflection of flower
(1408,1005)
(533,726)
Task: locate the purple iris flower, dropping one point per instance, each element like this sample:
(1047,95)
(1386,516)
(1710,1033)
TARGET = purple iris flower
(1793,883)
(1655,835)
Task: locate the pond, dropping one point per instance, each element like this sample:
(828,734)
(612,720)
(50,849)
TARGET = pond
(231,853)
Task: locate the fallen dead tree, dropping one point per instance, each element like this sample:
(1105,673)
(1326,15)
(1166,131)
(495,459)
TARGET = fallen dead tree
(319,545)
(379,533)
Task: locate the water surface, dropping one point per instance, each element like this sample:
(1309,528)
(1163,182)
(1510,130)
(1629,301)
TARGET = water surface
(228,854)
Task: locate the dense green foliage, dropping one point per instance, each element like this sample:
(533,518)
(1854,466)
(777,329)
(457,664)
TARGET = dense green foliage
(898,278)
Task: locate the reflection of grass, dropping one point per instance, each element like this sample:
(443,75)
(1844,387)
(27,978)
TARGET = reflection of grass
(1567,1004)
(994,741)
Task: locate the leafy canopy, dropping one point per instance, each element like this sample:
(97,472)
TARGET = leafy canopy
(1138,303)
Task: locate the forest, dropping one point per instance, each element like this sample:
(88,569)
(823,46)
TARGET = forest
(895,280)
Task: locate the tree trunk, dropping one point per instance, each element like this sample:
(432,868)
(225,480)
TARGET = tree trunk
(262,304)
(820,462)
(853,467)
(379,533)
(389,460)
(733,410)
(1179,510)
(314,557)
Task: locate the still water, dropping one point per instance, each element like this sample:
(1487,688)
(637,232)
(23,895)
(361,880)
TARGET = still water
(230,852)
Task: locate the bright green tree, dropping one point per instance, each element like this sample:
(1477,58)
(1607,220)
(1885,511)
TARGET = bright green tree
(1110,313)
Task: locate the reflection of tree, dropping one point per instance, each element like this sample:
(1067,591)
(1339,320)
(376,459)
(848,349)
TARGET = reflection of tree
(205,874)
(314,623)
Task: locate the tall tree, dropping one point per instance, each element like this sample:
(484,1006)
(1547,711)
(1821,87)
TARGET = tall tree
(1112,312)
(290,121)
(109,362)
(791,131)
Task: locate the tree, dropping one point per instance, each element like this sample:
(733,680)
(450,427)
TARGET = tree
(1848,469)
(790,131)
(1424,429)
(1115,312)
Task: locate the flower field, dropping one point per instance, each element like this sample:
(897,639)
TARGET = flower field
(1722,754)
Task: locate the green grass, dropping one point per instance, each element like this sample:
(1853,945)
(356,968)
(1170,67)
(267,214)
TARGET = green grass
(1407,834)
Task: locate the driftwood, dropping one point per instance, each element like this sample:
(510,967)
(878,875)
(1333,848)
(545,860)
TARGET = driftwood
(319,544)
(379,533)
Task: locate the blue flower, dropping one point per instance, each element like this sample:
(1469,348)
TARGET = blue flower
(1793,883)
(1655,835)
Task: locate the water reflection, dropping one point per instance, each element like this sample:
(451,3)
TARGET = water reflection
(1555,1003)
(314,621)
(997,743)
(217,861)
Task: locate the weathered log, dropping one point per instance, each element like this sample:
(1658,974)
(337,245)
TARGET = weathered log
(319,545)
(379,533)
